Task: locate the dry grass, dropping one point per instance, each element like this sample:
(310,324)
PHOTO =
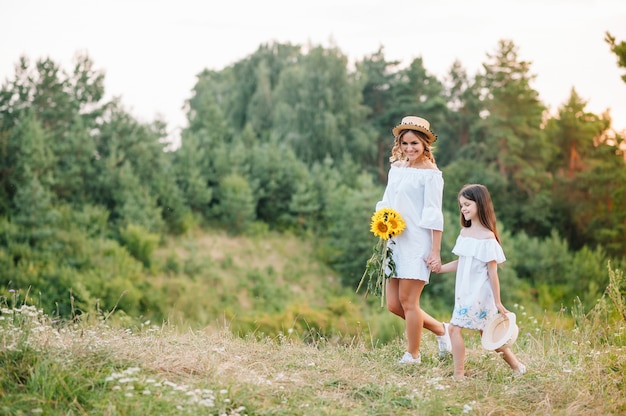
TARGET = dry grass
(576,362)
(213,372)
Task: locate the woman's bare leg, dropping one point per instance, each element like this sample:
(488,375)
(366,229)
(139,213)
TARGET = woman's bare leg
(433,325)
(410,291)
(393,297)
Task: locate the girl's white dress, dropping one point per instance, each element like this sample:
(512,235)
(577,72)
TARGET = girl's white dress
(417,195)
(474,303)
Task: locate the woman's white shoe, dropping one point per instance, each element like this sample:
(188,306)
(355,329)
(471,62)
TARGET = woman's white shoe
(407,358)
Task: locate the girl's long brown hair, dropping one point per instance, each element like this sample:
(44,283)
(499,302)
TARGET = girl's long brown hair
(486,213)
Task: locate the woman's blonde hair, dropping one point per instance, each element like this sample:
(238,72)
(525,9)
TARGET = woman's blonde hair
(398,154)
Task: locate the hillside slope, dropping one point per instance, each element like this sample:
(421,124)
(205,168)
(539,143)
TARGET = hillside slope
(95,367)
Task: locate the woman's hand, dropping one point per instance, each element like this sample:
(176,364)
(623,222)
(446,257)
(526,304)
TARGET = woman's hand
(433,262)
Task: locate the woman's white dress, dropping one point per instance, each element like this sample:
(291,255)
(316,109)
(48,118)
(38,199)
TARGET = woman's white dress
(474,303)
(417,195)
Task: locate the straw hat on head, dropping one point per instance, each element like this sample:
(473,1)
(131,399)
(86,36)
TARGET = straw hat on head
(415,123)
(501,330)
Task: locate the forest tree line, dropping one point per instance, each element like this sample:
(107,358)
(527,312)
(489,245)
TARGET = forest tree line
(296,139)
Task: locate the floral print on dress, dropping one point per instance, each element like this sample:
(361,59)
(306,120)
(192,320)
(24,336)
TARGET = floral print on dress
(474,303)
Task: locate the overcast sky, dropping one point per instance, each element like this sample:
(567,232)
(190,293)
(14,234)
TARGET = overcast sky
(151,50)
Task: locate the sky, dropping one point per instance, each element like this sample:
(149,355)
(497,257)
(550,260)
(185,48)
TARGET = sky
(152,50)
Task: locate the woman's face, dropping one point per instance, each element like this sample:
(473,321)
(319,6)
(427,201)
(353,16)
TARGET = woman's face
(412,146)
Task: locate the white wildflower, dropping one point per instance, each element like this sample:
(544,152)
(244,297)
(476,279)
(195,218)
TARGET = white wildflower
(467,408)
(126,380)
(206,403)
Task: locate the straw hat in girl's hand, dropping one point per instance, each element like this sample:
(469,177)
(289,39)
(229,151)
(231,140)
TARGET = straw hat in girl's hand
(501,330)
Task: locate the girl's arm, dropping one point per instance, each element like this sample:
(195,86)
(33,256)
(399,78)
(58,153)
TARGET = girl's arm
(492,269)
(449,267)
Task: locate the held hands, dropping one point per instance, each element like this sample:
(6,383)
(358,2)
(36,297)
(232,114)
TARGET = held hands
(433,263)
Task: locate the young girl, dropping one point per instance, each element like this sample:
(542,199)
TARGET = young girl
(477,289)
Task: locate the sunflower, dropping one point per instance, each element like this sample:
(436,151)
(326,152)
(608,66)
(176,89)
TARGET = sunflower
(380,228)
(385,223)
(396,223)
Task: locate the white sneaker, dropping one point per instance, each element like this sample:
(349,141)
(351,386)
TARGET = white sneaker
(445,345)
(521,370)
(407,358)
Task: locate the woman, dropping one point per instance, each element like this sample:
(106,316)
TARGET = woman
(415,190)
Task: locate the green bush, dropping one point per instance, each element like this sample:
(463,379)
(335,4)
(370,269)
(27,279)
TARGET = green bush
(237,204)
(139,242)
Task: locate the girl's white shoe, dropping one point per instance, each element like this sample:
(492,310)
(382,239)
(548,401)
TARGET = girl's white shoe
(521,370)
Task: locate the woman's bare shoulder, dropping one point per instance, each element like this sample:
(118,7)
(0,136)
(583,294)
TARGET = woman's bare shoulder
(430,165)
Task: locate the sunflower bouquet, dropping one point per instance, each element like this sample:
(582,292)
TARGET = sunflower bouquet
(385,223)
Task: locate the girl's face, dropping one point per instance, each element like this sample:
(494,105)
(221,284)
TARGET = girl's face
(469,209)
(412,146)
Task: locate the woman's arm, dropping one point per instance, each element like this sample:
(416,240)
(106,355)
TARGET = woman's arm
(435,250)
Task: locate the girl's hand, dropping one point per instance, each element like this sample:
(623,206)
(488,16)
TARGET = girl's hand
(501,308)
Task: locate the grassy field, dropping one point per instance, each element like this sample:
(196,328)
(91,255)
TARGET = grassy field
(98,365)
(97,369)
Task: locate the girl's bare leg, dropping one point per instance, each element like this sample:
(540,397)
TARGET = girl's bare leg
(458,351)
(510,358)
